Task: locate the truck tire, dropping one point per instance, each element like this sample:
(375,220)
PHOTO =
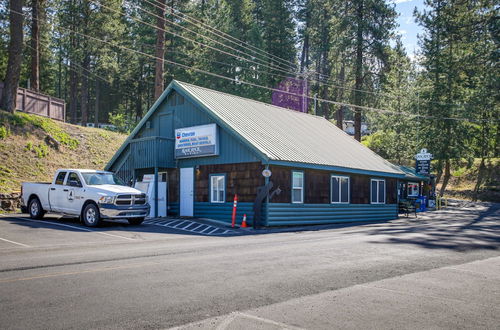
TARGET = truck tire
(135,221)
(35,209)
(91,216)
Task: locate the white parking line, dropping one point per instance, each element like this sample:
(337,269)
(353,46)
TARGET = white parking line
(17,243)
(204,230)
(177,225)
(79,228)
(197,227)
(213,231)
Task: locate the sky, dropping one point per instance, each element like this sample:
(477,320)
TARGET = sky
(408,28)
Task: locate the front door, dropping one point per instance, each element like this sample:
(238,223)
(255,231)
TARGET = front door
(73,201)
(187,192)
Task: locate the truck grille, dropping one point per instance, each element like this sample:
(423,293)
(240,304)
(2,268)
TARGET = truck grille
(131,199)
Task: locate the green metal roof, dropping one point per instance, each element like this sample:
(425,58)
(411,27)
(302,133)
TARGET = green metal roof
(279,135)
(289,136)
(411,174)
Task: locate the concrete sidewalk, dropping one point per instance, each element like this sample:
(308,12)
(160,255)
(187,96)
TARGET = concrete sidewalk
(464,296)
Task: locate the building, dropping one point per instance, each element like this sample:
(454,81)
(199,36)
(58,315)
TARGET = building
(209,146)
(348,127)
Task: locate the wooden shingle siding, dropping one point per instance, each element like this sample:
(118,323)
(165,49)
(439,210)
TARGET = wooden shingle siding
(317,186)
(242,179)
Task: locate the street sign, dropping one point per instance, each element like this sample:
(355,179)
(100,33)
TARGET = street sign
(423,163)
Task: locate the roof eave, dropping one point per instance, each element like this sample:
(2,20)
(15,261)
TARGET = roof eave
(337,169)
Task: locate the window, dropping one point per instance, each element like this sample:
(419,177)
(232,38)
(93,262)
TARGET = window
(217,188)
(60,178)
(297,187)
(73,177)
(340,189)
(412,189)
(378,191)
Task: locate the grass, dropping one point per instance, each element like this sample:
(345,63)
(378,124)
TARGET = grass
(26,155)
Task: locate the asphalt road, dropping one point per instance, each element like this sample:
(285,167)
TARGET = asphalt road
(441,270)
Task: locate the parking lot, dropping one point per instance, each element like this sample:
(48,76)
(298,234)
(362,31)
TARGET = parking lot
(56,273)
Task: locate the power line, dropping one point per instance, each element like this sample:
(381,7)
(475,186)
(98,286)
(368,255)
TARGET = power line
(325,82)
(191,40)
(383,111)
(220,33)
(196,33)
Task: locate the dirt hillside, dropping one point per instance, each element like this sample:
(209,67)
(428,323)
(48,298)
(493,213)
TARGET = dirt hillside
(33,147)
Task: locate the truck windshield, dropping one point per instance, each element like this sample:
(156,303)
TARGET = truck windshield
(97,178)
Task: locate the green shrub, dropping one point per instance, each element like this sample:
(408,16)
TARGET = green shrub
(41,151)
(4,132)
(48,126)
(29,146)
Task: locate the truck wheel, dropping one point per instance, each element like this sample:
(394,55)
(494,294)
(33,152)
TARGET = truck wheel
(135,221)
(91,216)
(35,209)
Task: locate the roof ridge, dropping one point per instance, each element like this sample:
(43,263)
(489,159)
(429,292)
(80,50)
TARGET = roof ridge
(252,100)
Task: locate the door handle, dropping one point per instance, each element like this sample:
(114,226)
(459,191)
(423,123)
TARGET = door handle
(52,188)
(65,189)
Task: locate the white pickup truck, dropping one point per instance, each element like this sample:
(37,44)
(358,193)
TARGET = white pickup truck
(89,194)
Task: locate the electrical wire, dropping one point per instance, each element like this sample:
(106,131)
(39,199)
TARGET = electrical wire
(383,111)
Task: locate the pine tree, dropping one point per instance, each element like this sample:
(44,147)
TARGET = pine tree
(11,81)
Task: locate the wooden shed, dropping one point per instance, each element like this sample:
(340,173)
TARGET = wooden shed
(210,146)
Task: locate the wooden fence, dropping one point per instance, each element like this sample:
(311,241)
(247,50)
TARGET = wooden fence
(40,104)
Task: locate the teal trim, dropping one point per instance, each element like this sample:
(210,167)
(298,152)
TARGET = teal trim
(173,209)
(284,214)
(334,168)
(223,211)
(303,186)
(210,186)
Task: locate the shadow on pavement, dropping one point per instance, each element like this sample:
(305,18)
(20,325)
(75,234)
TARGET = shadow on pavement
(456,229)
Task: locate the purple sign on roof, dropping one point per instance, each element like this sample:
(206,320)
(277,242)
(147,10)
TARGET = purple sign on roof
(292,93)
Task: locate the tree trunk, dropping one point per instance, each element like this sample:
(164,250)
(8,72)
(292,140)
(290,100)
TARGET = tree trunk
(37,16)
(96,110)
(73,92)
(359,70)
(11,81)
(84,106)
(447,174)
(480,178)
(160,49)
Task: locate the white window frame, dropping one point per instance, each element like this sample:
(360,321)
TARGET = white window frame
(408,189)
(215,199)
(298,188)
(340,177)
(385,191)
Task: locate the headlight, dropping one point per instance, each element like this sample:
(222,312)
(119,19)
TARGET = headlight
(107,200)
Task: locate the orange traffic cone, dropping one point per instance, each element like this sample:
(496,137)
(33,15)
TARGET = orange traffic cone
(244,222)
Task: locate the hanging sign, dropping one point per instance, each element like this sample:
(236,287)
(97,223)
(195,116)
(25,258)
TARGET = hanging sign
(423,163)
(196,141)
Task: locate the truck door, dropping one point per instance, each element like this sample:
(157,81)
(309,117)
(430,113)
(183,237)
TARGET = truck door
(56,192)
(73,194)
